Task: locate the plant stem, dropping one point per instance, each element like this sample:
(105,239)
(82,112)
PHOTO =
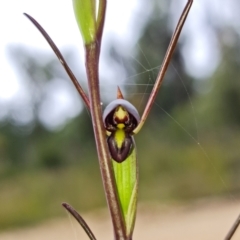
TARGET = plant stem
(92,59)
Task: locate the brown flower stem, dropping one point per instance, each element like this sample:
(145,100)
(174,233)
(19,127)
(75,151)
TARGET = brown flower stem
(92,59)
(106,168)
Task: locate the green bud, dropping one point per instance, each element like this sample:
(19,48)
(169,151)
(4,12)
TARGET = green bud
(85,13)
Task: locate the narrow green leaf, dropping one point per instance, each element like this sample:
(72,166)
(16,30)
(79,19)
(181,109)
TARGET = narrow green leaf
(126,175)
(85,13)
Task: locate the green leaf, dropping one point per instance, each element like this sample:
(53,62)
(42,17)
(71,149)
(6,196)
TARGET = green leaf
(126,175)
(85,13)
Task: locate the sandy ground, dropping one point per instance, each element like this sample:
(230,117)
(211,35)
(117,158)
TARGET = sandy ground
(199,221)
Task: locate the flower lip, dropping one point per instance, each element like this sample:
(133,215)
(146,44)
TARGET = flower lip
(120,115)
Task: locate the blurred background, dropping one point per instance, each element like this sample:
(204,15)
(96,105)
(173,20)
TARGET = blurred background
(189,146)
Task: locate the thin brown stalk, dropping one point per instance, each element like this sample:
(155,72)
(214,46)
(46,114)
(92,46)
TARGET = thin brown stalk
(80,220)
(92,68)
(101,19)
(233,229)
(92,59)
(165,64)
(61,59)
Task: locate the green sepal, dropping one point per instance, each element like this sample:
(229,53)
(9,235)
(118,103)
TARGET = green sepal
(85,13)
(126,175)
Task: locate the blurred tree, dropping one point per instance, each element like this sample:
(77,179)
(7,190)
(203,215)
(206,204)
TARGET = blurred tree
(218,102)
(225,83)
(31,143)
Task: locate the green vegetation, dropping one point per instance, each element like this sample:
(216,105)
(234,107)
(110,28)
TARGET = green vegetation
(33,195)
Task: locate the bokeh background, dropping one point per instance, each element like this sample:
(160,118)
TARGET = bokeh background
(189,146)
